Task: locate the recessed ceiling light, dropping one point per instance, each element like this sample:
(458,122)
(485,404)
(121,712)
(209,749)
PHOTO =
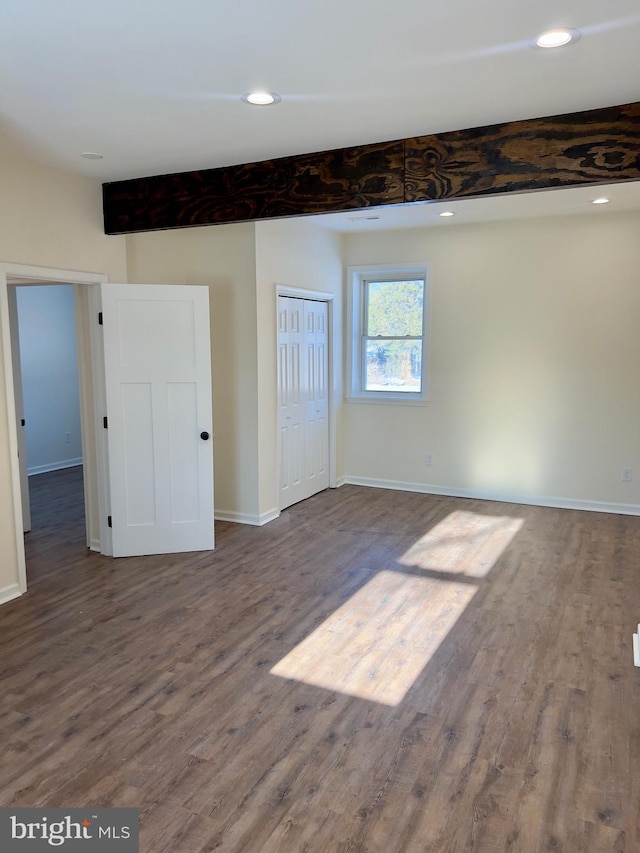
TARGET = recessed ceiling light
(261,99)
(91,155)
(556,38)
(447,213)
(601,200)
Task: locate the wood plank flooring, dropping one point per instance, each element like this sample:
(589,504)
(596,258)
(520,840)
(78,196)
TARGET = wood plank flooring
(373,672)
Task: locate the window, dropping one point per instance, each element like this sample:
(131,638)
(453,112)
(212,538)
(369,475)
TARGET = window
(389,312)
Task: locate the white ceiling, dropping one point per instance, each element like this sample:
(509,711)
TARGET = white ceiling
(560,202)
(155,85)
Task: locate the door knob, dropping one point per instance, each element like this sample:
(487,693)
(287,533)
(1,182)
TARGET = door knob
(204,436)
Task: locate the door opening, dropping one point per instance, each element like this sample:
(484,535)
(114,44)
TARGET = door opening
(11,276)
(46,385)
(146,421)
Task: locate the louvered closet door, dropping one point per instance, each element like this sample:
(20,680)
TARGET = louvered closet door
(302,399)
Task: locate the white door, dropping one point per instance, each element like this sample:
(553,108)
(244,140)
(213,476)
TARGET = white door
(302,398)
(317,421)
(159,420)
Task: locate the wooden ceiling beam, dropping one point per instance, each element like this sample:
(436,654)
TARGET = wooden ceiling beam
(593,147)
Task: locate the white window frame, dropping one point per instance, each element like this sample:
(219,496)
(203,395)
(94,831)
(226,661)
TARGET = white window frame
(356,276)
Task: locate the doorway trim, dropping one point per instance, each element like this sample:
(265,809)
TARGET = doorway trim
(318,296)
(89,392)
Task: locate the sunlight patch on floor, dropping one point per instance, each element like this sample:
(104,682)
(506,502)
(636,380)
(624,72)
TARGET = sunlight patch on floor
(464,543)
(376,645)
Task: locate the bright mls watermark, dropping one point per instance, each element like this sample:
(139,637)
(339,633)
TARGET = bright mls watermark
(80,830)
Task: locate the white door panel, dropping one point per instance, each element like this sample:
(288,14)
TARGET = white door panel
(315,314)
(302,398)
(158,389)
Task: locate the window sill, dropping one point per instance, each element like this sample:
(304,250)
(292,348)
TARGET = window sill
(391,400)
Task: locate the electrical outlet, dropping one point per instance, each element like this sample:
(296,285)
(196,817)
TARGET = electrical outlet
(626,475)
(67,437)
(428,459)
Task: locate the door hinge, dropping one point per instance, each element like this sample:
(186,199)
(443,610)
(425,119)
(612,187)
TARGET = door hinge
(104,422)
(109,521)
(100,318)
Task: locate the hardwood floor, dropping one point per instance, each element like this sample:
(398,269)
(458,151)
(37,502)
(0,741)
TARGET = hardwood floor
(374,671)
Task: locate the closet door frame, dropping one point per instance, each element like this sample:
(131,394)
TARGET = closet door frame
(333,385)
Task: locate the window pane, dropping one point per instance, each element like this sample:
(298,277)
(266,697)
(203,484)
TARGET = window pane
(393,366)
(394,308)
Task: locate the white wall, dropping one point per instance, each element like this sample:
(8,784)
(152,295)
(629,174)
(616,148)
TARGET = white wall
(222,257)
(241,264)
(52,219)
(535,362)
(296,253)
(49,363)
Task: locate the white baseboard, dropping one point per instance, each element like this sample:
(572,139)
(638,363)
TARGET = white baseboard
(95,546)
(8,593)
(503,497)
(54,466)
(341,481)
(244,518)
